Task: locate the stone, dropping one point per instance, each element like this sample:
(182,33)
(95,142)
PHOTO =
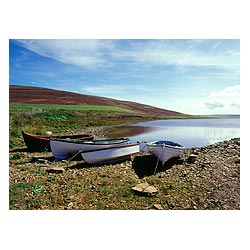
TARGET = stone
(202,165)
(183,173)
(70,206)
(55,169)
(192,158)
(40,160)
(145,188)
(158,206)
(237,160)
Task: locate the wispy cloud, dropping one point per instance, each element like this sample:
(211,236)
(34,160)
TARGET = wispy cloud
(84,53)
(213,105)
(93,54)
(228,98)
(179,53)
(114,89)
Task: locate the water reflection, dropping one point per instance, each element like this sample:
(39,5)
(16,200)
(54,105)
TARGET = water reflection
(190,136)
(215,122)
(190,132)
(128,131)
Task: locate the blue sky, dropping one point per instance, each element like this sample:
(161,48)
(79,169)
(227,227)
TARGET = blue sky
(189,76)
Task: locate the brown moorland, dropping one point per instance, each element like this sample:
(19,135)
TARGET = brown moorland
(37,95)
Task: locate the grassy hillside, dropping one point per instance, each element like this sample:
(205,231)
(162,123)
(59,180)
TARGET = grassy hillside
(37,110)
(39,118)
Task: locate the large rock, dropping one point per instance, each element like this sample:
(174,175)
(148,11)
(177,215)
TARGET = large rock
(145,188)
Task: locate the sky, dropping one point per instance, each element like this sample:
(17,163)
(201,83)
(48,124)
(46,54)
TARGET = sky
(189,76)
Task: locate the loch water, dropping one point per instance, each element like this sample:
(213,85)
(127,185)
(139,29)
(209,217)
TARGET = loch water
(188,132)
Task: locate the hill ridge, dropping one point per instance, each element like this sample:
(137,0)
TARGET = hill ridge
(39,95)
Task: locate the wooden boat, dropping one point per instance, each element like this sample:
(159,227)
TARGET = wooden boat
(41,143)
(63,148)
(110,154)
(165,150)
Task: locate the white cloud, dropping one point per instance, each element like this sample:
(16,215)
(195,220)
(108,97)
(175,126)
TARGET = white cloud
(113,89)
(93,54)
(226,100)
(99,90)
(179,53)
(85,53)
(229,92)
(213,105)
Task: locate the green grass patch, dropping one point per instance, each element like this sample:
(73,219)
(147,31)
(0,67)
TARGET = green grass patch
(21,185)
(38,189)
(60,119)
(24,107)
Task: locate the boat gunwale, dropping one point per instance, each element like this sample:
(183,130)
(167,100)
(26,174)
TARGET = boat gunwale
(92,142)
(152,144)
(48,137)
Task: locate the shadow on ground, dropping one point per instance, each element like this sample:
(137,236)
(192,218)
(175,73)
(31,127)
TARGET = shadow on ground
(148,165)
(14,150)
(111,162)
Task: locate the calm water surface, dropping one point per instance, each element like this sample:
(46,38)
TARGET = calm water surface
(189,132)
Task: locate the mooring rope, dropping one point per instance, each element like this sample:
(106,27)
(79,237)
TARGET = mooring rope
(46,146)
(80,151)
(159,158)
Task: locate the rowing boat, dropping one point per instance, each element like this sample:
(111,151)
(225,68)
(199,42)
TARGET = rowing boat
(110,154)
(63,148)
(165,150)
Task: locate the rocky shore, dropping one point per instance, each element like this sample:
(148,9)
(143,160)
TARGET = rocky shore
(203,178)
(218,165)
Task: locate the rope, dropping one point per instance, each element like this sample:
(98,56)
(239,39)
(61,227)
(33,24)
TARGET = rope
(143,146)
(80,151)
(45,146)
(158,159)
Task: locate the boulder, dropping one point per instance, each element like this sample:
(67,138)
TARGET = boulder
(145,188)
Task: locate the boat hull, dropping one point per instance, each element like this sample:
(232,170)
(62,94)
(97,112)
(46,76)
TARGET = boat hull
(110,154)
(41,143)
(63,149)
(165,150)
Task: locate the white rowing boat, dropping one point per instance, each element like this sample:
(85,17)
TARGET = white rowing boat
(65,148)
(165,150)
(110,154)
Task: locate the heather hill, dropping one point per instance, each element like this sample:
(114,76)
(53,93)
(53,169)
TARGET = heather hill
(37,95)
